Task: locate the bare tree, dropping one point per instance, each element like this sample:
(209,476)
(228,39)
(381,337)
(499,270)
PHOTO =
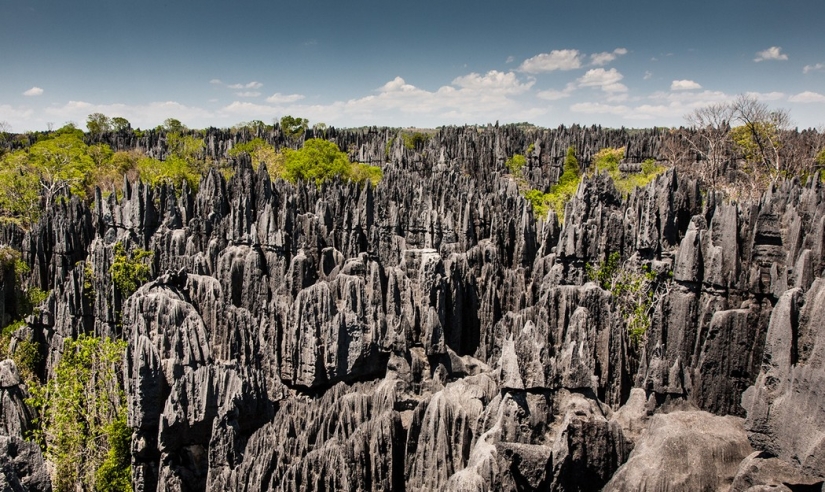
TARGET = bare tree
(711,142)
(5,129)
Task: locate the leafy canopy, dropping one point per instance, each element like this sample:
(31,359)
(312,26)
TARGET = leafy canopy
(293,127)
(320,160)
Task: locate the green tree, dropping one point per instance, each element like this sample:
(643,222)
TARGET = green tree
(120,124)
(260,152)
(98,124)
(318,161)
(82,417)
(130,270)
(5,134)
(761,135)
(515,164)
(173,125)
(19,189)
(293,127)
(61,163)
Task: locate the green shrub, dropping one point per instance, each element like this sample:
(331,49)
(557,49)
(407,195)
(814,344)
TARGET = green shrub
(388,147)
(515,164)
(130,270)
(82,415)
(560,193)
(364,172)
(114,474)
(261,152)
(319,160)
(415,141)
(633,288)
(608,159)
(88,282)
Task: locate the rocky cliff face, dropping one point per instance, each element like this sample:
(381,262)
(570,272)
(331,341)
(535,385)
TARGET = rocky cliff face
(431,334)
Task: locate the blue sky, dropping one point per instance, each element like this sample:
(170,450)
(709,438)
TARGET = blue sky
(423,63)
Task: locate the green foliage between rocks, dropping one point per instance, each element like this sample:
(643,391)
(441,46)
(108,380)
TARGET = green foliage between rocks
(608,159)
(633,288)
(82,417)
(560,193)
(320,160)
(415,140)
(515,164)
(130,270)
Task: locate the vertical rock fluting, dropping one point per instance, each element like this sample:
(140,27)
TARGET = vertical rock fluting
(430,333)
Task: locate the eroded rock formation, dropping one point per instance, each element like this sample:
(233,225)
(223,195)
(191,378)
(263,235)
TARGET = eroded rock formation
(430,334)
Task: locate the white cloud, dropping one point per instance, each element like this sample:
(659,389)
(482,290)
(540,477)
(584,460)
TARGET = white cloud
(549,62)
(17,117)
(684,85)
(614,88)
(251,85)
(552,95)
(216,82)
(772,53)
(284,98)
(688,98)
(807,97)
(472,98)
(510,59)
(767,96)
(648,75)
(662,106)
(617,97)
(143,116)
(599,108)
(495,81)
(606,80)
(605,57)
(819,67)
(34,91)
(248,94)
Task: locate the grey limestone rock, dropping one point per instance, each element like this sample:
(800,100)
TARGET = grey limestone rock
(682,451)
(430,332)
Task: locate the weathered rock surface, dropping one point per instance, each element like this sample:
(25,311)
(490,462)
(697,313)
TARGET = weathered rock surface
(430,334)
(785,406)
(684,451)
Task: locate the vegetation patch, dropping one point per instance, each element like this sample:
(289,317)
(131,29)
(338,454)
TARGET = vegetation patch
(608,159)
(635,290)
(415,140)
(130,270)
(82,417)
(560,193)
(318,161)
